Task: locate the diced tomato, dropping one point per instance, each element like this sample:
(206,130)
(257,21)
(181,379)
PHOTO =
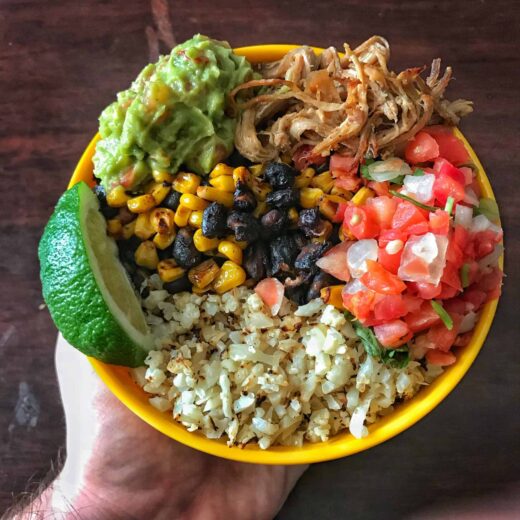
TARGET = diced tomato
(418,229)
(390,307)
(422,148)
(271,292)
(304,157)
(424,318)
(390,262)
(393,333)
(491,283)
(463,339)
(443,167)
(387,235)
(424,290)
(378,279)
(360,222)
(440,337)
(360,304)
(383,209)
(450,147)
(445,186)
(468,175)
(455,305)
(334,261)
(454,254)
(461,236)
(485,242)
(381,188)
(343,165)
(475,297)
(439,358)
(348,183)
(340,213)
(407,215)
(440,222)
(447,291)
(413,303)
(451,276)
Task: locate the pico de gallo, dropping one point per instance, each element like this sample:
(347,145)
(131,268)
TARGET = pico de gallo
(420,252)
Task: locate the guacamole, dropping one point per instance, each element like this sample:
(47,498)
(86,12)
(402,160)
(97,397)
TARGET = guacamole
(173,114)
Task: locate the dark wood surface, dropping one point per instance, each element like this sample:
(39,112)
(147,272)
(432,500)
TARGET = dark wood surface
(62,62)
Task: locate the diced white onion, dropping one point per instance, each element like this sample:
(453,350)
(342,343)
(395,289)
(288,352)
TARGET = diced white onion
(482,223)
(470,197)
(463,216)
(491,260)
(389,169)
(468,322)
(420,188)
(426,248)
(357,255)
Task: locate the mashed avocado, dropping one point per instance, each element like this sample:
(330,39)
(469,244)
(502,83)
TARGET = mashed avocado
(173,114)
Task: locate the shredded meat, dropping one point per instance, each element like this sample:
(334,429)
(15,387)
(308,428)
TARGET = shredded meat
(349,102)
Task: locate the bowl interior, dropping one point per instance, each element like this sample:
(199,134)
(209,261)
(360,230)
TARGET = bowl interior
(121,384)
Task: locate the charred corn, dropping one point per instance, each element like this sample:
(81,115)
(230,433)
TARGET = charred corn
(114,227)
(221,169)
(143,228)
(261,209)
(141,203)
(231,275)
(256,169)
(231,251)
(186,183)
(203,243)
(214,195)
(332,296)
(310,197)
(128,230)
(304,179)
(362,196)
(224,183)
(146,255)
(162,220)
(117,197)
(240,243)
(158,191)
(195,219)
(241,174)
(193,202)
(324,181)
(202,275)
(162,176)
(293,215)
(169,271)
(163,241)
(182,216)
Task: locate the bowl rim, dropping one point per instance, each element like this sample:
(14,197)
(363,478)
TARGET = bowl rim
(119,381)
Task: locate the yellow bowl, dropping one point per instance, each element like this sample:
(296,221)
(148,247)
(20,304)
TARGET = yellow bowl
(121,384)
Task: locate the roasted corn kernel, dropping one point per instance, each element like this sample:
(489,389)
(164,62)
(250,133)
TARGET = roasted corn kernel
(195,219)
(146,255)
(293,215)
(182,216)
(332,296)
(221,169)
(261,209)
(259,188)
(304,179)
(231,251)
(257,169)
(242,244)
(203,274)
(159,190)
(362,196)
(341,192)
(186,183)
(286,157)
(310,197)
(214,195)
(231,275)
(199,290)
(163,241)
(193,202)
(328,208)
(117,197)
(169,270)
(324,181)
(141,203)
(162,220)
(224,183)
(128,230)
(143,228)
(241,174)
(203,243)
(114,227)
(162,176)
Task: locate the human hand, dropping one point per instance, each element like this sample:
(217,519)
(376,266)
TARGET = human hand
(119,467)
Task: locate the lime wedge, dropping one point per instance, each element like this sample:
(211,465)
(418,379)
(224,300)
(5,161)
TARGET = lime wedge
(85,286)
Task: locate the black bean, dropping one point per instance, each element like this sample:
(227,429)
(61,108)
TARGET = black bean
(279,175)
(283,250)
(297,294)
(105,209)
(180,285)
(243,198)
(255,260)
(310,254)
(320,281)
(126,216)
(171,201)
(214,221)
(244,226)
(285,198)
(311,223)
(184,251)
(274,222)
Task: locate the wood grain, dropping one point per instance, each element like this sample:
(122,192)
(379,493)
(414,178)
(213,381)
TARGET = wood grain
(62,62)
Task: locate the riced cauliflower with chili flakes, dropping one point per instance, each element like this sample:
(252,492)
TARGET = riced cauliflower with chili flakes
(224,365)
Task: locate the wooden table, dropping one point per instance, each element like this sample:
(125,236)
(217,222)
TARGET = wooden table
(62,62)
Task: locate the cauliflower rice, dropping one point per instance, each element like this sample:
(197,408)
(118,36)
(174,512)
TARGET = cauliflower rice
(225,366)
